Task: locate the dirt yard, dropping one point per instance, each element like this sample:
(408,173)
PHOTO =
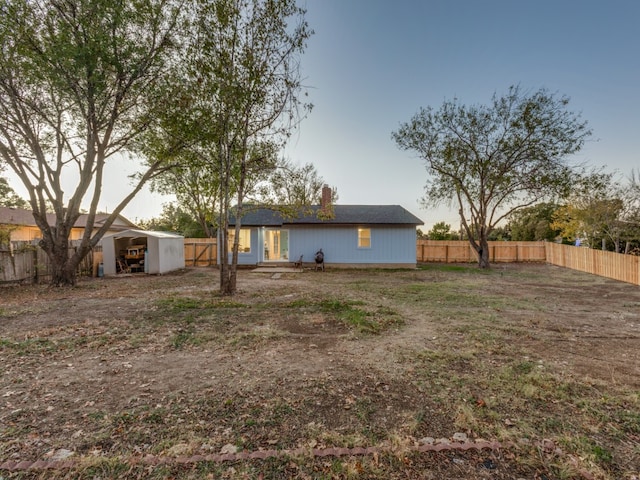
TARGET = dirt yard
(158,376)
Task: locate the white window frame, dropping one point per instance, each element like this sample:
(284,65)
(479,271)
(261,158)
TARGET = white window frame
(361,237)
(231,236)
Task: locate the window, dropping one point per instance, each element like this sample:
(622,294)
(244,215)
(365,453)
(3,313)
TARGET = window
(364,238)
(244,244)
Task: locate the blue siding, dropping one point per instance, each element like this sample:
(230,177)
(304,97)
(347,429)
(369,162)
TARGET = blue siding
(389,244)
(252,257)
(395,244)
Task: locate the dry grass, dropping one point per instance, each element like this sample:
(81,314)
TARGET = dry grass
(541,358)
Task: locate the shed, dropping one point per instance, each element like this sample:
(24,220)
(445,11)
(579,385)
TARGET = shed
(143,251)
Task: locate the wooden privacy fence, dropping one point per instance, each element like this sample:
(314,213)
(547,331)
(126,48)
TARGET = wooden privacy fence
(617,266)
(28,263)
(453,251)
(200,252)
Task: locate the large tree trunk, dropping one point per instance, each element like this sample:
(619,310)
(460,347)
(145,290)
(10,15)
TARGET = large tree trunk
(224,259)
(481,246)
(63,265)
(483,253)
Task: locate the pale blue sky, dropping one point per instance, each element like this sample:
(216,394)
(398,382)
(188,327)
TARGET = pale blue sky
(373,63)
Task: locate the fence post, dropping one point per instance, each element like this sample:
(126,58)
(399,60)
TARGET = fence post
(35,265)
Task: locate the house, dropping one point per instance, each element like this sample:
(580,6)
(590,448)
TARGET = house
(349,235)
(143,251)
(23,227)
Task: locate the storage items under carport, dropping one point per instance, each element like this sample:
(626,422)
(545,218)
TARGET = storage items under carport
(142,251)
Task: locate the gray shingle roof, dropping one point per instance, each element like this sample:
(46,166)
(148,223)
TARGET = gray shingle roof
(343,215)
(20,216)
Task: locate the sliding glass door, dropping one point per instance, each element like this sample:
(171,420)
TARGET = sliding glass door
(276,245)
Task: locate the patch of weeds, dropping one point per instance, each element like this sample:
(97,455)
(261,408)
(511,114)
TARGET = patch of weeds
(104,468)
(339,306)
(353,317)
(97,416)
(471,268)
(348,313)
(602,456)
(179,304)
(364,409)
(29,346)
(587,448)
(552,425)
(229,304)
(301,303)
(252,338)
(629,421)
(331,437)
(523,368)
(155,416)
(278,414)
(135,340)
(466,418)
(123,419)
(190,309)
(186,337)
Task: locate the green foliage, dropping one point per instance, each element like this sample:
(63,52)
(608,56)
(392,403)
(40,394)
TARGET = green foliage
(196,191)
(78,84)
(501,233)
(238,96)
(534,223)
(600,211)
(9,198)
(294,185)
(174,219)
(362,320)
(492,160)
(441,231)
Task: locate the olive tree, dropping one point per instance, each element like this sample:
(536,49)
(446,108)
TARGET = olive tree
(77,87)
(491,160)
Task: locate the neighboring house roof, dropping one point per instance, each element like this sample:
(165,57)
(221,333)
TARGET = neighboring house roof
(134,233)
(16,216)
(342,215)
(20,216)
(119,223)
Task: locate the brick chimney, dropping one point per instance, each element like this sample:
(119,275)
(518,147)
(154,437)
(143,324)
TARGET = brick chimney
(325,203)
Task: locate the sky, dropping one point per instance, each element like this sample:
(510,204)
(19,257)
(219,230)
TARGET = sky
(372,64)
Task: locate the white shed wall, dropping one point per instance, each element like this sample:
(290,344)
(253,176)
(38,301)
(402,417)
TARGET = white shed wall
(171,254)
(109,256)
(164,253)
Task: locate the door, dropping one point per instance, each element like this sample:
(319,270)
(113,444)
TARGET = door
(276,245)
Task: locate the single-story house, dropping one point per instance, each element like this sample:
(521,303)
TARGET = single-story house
(23,227)
(349,235)
(142,251)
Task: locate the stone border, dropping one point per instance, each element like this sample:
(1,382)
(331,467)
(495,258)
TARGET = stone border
(153,460)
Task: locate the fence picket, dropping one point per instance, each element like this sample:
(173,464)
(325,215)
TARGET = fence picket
(30,263)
